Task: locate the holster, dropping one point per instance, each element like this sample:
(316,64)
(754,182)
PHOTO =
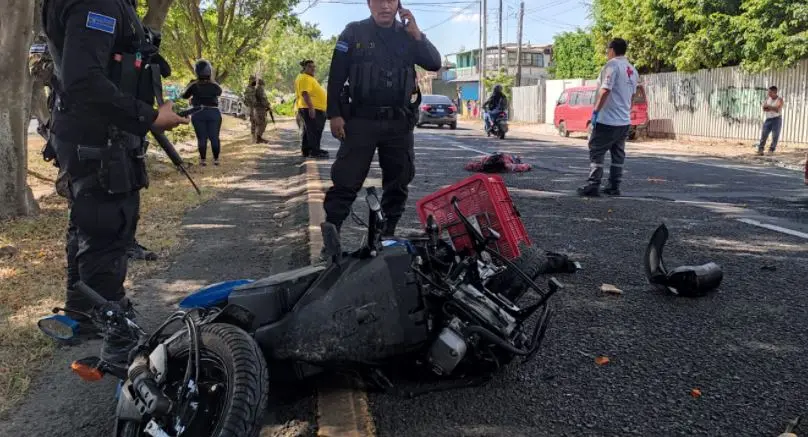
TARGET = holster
(345,102)
(412,109)
(120,166)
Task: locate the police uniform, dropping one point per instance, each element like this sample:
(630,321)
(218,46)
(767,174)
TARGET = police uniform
(103,62)
(379,65)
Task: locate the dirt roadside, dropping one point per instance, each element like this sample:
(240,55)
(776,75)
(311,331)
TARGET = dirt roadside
(254,229)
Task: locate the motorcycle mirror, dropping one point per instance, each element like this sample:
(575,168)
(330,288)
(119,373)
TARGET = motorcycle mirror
(58,327)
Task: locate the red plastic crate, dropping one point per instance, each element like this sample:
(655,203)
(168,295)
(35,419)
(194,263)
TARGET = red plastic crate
(484,198)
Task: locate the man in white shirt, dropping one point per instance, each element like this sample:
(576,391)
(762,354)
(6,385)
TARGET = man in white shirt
(611,120)
(773,107)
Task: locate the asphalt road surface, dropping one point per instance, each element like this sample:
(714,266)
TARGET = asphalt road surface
(743,346)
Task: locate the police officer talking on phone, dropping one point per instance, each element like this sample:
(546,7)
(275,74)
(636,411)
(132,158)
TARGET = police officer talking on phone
(105,63)
(377,58)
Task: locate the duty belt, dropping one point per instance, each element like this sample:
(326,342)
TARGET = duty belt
(379,112)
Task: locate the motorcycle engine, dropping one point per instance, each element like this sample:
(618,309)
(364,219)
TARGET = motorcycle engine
(476,309)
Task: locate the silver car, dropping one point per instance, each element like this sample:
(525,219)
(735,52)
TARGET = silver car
(437,110)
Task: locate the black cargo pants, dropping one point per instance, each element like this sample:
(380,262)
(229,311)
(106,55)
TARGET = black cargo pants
(101,228)
(394,141)
(606,138)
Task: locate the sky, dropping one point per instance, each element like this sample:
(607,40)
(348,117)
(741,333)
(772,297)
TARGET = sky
(455,24)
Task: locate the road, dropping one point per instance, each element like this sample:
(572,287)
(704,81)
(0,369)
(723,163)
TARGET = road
(743,347)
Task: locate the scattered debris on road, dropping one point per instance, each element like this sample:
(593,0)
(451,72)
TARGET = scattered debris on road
(602,360)
(609,288)
(769,268)
(498,163)
(690,281)
(695,392)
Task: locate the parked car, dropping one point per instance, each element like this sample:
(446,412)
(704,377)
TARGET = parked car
(437,110)
(573,111)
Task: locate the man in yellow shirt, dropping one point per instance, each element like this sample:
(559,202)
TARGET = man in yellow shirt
(311,106)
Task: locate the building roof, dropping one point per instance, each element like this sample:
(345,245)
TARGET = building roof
(527,48)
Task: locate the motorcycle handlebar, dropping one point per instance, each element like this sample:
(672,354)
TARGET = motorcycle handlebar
(90,294)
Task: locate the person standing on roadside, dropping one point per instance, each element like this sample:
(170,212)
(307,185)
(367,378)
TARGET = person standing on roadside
(207,119)
(611,120)
(772,107)
(261,108)
(311,105)
(249,102)
(102,112)
(377,57)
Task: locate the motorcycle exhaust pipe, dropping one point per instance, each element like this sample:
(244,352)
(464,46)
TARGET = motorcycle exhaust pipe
(146,389)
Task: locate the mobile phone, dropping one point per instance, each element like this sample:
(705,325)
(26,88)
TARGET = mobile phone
(403,21)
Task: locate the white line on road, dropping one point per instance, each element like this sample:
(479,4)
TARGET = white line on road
(775,228)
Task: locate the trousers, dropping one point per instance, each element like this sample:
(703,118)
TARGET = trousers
(606,138)
(260,123)
(101,227)
(394,141)
(312,134)
(773,126)
(207,125)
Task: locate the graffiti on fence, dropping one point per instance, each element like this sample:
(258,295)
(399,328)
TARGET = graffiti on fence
(738,105)
(683,96)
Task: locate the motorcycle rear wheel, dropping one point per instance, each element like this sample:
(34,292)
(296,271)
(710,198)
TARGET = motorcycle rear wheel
(245,379)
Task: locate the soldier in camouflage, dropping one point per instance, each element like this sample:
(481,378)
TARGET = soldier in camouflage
(249,102)
(261,109)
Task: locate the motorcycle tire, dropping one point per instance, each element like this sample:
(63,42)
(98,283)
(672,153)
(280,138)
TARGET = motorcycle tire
(247,379)
(510,283)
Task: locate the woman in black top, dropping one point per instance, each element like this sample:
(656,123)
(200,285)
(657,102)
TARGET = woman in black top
(207,120)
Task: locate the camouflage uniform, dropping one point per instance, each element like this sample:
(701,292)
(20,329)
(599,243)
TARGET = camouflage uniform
(261,108)
(249,102)
(40,64)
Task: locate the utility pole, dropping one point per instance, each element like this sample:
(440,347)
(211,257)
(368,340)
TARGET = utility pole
(499,50)
(519,46)
(484,52)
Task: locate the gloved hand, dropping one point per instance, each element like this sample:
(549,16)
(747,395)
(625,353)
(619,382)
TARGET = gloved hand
(594,118)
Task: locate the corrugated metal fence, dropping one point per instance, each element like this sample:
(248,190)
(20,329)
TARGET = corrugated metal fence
(528,104)
(720,103)
(726,103)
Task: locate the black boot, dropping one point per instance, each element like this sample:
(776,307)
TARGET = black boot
(612,190)
(119,338)
(389,230)
(332,246)
(137,251)
(320,154)
(589,190)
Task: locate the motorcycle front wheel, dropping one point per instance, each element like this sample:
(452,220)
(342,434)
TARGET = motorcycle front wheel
(233,385)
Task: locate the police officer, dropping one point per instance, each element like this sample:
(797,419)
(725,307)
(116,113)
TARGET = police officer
(105,87)
(377,57)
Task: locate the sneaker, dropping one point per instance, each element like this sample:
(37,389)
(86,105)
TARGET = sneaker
(611,191)
(332,246)
(588,191)
(759,153)
(215,162)
(203,163)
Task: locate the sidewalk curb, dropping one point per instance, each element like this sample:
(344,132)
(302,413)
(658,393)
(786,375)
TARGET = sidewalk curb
(341,412)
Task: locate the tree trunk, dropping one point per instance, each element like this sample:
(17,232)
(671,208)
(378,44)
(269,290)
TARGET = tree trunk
(16,34)
(158,11)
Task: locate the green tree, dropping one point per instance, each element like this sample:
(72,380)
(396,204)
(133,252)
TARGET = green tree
(228,33)
(775,33)
(573,56)
(498,78)
(287,44)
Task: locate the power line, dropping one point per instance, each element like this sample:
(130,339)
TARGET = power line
(455,15)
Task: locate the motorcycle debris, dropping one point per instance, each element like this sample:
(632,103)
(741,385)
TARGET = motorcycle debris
(769,268)
(696,393)
(611,289)
(602,360)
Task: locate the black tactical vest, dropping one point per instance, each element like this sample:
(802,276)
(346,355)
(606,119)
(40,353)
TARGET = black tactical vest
(382,69)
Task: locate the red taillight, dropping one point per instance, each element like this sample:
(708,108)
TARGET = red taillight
(453,108)
(425,107)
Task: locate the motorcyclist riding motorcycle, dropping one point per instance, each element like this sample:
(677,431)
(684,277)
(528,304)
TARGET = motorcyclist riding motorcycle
(494,105)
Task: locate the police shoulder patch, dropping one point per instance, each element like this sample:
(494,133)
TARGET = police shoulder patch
(342,46)
(101,22)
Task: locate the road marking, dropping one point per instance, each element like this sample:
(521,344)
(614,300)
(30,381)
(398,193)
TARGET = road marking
(775,228)
(340,412)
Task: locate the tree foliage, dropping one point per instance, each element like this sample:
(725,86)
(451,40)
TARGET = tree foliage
(573,56)
(287,44)
(228,33)
(687,35)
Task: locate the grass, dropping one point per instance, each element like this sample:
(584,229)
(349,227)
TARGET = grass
(33,281)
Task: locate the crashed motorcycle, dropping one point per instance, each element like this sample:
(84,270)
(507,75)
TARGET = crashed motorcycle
(451,314)
(498,125)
